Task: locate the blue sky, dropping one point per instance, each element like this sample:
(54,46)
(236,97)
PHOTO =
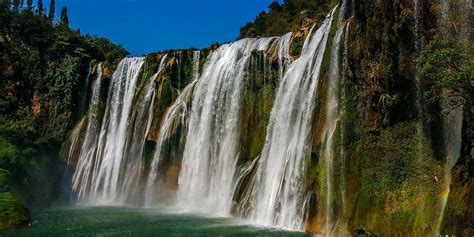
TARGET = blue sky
(143,26)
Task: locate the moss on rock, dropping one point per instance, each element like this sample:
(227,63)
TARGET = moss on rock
(13,213)
(398,185)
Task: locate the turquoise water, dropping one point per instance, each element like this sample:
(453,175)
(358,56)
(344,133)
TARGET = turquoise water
(124,221)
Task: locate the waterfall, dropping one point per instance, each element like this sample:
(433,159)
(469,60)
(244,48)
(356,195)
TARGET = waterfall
(85,92)
(333,117)
(175,115)
(277,189)
(284,58)
(75,141)
(103,173)
(418,8)
(453,120)
(343,129)
(452,141)
(196,61)
(210,154)
(142,120)
(87,148)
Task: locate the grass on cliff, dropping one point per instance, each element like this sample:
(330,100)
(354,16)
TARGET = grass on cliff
(399,182)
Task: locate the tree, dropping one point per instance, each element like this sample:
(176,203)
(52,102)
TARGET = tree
(64,17)
(40,7)
(29,4)
(52,8)
(447,65)
(6,4)
(275,6)
(16,5)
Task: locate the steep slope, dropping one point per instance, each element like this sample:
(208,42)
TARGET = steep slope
(324,130)
(43,91)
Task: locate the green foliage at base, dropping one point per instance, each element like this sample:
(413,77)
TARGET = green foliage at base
(33,162)
(4,180)
(42,70)
(398,182)
(458,218)
(13,214)
(29,166)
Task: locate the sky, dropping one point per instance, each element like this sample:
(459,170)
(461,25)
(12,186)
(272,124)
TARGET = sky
(144,26)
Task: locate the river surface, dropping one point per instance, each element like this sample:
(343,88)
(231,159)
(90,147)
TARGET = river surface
(131,221)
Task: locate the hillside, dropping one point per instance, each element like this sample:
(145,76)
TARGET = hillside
(43,66)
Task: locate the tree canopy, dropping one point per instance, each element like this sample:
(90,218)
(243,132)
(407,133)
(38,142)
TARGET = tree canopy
(447,66)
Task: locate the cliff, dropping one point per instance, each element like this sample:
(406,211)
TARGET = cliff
(378,157)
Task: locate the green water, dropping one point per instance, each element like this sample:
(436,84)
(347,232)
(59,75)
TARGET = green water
(124,221)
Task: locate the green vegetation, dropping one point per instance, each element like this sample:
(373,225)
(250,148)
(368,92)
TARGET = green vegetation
(260,85)
(42,71)
(448,64)
(391,167)
(446,71)
(12,212)
(394,165)
(52,10)
(286,17)
(398,175)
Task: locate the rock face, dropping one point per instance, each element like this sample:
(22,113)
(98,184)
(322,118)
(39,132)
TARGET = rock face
(369,159)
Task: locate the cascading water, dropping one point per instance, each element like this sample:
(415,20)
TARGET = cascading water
(176,114)
(453,140)
(76,141)
(87,123)
(210,154)
(88,146)
(277,190)
(332,122)
(110,141)
(110,164)
(103,171)
(342,152)
(453,120)
(142,119)
(418,44)
(284,58)
(76,145)
(85,91)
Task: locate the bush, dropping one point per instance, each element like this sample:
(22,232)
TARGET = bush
(286,17)
(13,214)
(447,64)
